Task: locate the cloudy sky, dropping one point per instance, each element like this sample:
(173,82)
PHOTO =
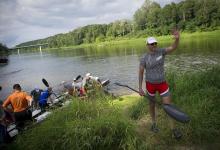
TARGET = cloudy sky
(26,20)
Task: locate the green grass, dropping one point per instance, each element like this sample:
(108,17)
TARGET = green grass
(105,122)
(199,95)
(84,124)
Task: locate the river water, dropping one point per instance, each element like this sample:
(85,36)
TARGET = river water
(119,63)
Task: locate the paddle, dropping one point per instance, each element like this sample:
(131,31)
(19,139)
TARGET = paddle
(170,109)
(77,78)
(47,85)
(106,82)
(45,82)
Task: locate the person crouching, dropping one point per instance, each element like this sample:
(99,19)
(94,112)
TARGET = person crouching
(43,98)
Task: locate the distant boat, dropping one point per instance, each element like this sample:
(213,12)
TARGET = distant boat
(4,60)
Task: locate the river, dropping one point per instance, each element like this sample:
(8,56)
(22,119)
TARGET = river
(119,63)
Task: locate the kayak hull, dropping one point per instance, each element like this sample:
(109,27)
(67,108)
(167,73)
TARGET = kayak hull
(176,113)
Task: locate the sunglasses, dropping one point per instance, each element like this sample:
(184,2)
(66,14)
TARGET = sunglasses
(153,44)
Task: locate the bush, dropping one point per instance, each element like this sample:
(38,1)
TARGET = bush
(198,95)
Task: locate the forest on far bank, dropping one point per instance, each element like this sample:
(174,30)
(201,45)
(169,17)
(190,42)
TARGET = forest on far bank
(149,19)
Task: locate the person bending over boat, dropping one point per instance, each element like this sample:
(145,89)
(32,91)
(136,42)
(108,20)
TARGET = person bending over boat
(90,80)
(44,96)
(36,95)
(20,102)
(68,87)
(78,86)
(153,64)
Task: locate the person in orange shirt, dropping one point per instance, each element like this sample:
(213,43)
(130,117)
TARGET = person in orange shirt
(20,102)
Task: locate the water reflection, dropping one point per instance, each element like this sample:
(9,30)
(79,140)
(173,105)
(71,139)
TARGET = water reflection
(119,63)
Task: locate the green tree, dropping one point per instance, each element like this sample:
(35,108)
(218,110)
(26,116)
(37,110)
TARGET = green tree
(140,16)
(207,12)
(4,51)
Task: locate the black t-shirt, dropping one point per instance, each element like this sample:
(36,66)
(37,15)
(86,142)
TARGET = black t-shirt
(36,94)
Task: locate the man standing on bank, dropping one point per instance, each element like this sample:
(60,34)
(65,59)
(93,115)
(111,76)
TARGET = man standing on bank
(153,64)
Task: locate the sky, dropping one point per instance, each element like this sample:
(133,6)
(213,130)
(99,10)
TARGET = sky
(27,20)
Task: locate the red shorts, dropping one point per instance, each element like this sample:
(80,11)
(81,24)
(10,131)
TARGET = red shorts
(162,88)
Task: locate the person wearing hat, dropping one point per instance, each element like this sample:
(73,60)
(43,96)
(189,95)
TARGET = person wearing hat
(152,63)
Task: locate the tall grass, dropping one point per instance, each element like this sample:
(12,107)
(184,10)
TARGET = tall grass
(84,124)
(138,110)
(199,95)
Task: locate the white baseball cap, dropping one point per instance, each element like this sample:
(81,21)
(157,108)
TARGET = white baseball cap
(151,40)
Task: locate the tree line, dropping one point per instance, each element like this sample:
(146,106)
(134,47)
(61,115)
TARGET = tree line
(4,51)
(149,19)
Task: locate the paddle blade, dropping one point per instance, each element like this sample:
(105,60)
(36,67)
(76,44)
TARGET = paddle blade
(78,77)
(176,113)
(45,82)
(106,82)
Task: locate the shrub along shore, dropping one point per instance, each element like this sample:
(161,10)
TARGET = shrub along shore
(106,122)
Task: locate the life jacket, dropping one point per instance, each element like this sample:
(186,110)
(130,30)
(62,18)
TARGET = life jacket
(44,96)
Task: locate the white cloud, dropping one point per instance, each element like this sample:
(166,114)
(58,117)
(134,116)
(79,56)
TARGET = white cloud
(25,20)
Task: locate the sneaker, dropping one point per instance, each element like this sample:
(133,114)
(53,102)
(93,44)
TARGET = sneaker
(177,134)
(154,128)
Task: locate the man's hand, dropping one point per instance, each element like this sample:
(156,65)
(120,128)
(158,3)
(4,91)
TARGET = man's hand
(176,34)
(30,102)
(141,92)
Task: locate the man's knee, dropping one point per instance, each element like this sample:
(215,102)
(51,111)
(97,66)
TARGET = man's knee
(152,100)
(166,100)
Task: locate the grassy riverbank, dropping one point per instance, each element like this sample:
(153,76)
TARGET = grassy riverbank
(105,122)
(140,40)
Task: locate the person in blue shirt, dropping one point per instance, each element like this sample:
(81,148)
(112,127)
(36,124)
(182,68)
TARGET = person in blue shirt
(43,98)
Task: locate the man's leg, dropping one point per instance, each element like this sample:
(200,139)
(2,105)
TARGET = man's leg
(29,115)
(151,96)
(42,107)
(152,108)
(19,116)
(35,104)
